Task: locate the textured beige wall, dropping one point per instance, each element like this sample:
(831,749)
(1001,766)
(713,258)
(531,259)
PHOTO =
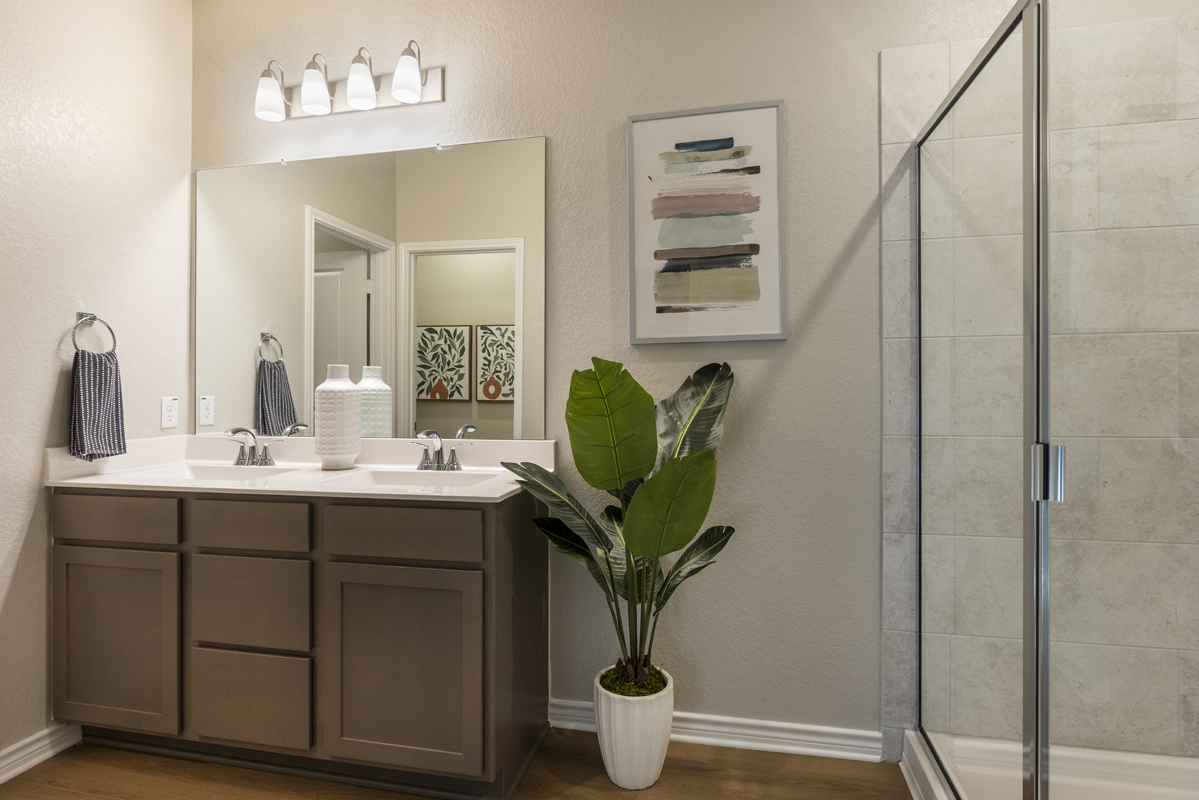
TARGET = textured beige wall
(94,215)
(250,265)
(786,627)
(466,289)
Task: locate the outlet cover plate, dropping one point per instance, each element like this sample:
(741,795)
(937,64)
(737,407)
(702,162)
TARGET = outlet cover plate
(207,409)
(170,412)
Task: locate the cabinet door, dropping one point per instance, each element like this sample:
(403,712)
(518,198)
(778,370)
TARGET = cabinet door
(116,638)
(403,666)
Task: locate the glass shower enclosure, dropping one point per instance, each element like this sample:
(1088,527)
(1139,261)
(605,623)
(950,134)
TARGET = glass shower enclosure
(1058,192)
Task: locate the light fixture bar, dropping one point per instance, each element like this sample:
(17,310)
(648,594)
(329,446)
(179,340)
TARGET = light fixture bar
(434,92)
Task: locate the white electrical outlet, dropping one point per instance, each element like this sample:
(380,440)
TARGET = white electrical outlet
(208,409)
(170,412)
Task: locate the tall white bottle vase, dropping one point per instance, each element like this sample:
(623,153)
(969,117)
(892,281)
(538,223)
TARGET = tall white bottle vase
(376,403)
(338,419)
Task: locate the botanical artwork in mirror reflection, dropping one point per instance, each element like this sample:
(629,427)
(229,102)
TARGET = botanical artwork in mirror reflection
(443,363)
(495,357)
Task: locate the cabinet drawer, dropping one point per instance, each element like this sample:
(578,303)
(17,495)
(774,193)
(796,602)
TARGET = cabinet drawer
(150,520)
(248,525)
(431,534)
(250,697)
(253,602)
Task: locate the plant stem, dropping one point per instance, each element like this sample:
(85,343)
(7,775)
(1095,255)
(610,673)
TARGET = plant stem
(653,632)
(634,621)
(624,648)
(648,600)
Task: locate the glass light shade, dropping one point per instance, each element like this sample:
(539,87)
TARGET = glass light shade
(405,84)
(268,102)
(314,92)
(360,88)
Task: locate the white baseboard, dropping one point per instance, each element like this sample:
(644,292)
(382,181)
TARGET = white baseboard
(921,771)
(37,748)
(747,734)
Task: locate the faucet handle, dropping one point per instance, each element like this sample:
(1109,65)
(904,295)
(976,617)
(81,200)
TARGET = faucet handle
(425,461)
(454,464)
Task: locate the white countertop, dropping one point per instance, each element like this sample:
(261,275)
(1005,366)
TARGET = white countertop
(386,469)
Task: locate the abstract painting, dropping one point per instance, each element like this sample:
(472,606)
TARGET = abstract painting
(706,225)
(495,363)
(443,363)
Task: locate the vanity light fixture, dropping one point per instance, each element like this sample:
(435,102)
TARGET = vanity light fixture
(360,88)
(314,91)
(269,103)
(407,82)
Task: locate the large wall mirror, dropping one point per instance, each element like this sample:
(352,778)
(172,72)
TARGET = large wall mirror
(423,269)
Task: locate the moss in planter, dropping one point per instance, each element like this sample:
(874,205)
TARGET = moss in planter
(613,680)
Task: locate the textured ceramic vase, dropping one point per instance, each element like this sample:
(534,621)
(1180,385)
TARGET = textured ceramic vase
(338,419)
(634,733)
(376,403)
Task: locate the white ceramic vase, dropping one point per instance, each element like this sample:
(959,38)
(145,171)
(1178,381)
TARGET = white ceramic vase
(338,419)
(376,403)
(634,733)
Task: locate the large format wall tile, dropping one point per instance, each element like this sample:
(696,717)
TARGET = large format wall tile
(1114,698)
(895,164)
(988,689)
(897,484)
(1080,516)
(988,186)
(936,390)
(899,378)
(988,587)
(937,199)
(898,288)
(1134,280)
(936,585)
(994,103)
(1112,74)
(936,287)
(936,686)
(1188,385)
(988,294)
(1188,664)
(1114,385)
(900,666)
(1150,491)
(1125,594)
(899,581)
(914,81)
(1188,67)
(1074,179)
(988,483)
(988,386)
(936,485)
(1150,174)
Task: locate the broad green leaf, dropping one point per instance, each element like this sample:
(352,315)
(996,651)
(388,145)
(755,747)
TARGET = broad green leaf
(670,507)
(625,495)
(693,560)
(569,543)
(546,487)
(610,418)
(692,419)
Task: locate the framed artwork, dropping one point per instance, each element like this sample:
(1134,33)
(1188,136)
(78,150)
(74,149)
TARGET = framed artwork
(443,363)
(495,363)
(706,225)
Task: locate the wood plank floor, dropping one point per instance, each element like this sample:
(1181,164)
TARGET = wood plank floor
(567,766)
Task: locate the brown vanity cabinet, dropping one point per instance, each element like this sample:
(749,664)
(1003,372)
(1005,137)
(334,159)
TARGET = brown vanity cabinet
(396,643)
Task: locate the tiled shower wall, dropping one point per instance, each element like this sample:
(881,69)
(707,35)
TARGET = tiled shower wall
(1124,213)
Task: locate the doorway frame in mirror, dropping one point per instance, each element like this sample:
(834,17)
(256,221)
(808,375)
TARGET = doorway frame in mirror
(405,320)
(382,324)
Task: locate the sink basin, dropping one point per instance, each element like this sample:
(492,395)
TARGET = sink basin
(429,481)
(215,472)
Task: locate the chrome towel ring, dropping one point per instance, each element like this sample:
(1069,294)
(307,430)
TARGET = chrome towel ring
(266,339)
(87,318)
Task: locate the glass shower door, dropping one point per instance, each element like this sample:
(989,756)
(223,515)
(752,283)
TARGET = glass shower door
(972,390)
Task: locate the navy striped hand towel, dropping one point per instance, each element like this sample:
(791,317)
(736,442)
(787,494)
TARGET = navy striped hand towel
(274,409)
(97,411)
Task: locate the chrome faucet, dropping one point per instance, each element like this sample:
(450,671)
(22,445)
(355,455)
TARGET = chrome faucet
(265,459)
(437,462)
(465,429)
(248,454)
(453,465)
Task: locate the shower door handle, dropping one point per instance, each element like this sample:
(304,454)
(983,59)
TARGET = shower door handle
(1048,473)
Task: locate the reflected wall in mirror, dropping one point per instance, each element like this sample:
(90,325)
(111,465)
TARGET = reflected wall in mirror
(348,260)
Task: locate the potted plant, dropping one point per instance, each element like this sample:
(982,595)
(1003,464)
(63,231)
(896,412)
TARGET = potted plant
(659,464)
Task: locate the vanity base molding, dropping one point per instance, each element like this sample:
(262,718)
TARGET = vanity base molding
(394,643)
(338,771)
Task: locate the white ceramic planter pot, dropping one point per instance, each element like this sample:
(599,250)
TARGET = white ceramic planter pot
(338,418)
(376,403)
(634,733)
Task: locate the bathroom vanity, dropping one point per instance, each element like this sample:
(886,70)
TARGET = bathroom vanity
(377,625)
